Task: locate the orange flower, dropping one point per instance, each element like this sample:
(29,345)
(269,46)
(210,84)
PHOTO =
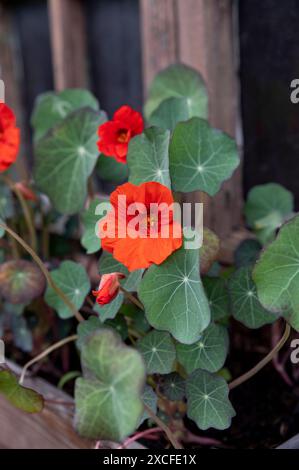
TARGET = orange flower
(9,137)
(116,134)
(108,288)
(145,239)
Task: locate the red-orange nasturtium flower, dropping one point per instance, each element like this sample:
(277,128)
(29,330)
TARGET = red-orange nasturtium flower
(140,247)
(9,137)
(115,135)
(108,288)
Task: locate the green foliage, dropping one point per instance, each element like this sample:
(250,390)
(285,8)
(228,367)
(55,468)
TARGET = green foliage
(201,158)
(170,112)
(276,273)
(158,351)
(174,298)
(21,281)
(266,208)
(52,108)
(207,401)
(246,307)
(178,81)
(72,279)
(21,397)
(90,219)
(111,170)
(150,399)
(108,396)
(247,252)
(66,157)
(173,386)
(6,205)
(209,353)
(217,294)
(148,157)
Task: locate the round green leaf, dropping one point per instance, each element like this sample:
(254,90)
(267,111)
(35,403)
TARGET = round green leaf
(217,294)
(172,386)
(266,208)
(21,281)
(201,158)
(51,108)
(148,157)
(21,397)
(246,307)
(66,157)
(119,324)
(158,352)
(111,170)
(109,311)
(170,112)
(174,298)
(72,279)
(209,353)
(86,328)
(276,273)
(178,81)
(207,401)
(108,397)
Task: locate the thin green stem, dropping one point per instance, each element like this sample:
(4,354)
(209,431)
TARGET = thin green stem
(165,428)
(44,270)
(45,353)
(26,211)
(243,378)
(132,298)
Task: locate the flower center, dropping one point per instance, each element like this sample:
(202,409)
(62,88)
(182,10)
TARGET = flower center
(123,136)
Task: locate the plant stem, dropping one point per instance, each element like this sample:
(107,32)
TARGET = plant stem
(44,270)
(45,353)
(163,426)
(235,383)
(132,298)
(26,211)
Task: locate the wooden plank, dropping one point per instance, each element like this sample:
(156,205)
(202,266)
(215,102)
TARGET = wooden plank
(158,33)
(68,40)
(200,34)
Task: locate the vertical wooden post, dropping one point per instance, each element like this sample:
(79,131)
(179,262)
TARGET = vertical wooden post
(202,37)
(68,40)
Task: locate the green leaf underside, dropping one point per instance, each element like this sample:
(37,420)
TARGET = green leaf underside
(173,386)
(207,401)
(170,112)
(178,81)
(89,239)
(148,157)
(111,170)
(51,108)
(65,158)
(276,273)
(245,304)
(108,398)
(266,208)
(174,298)
(217,294)
(72,279)
(201,158)
(21,397)
(209,353)
(86,328)
(150,399)
(158,351)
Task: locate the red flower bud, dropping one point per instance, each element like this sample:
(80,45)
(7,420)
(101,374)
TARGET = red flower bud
(108,288)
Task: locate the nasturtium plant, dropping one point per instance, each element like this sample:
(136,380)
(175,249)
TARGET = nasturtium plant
(108,396)
(72,279)
(154,307)
(266,208)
